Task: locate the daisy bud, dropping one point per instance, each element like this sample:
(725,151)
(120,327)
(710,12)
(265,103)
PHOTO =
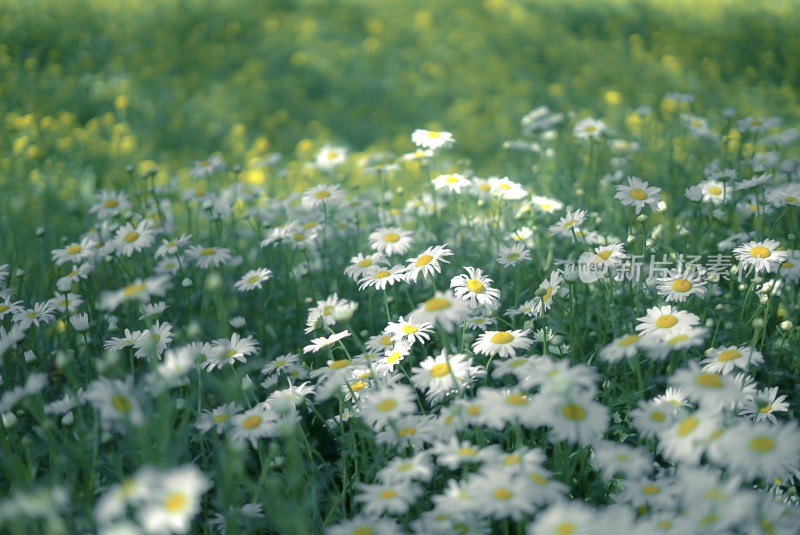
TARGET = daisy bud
(187,283)
(247,383)
(9,420)
(540,292)
(40,232)
(642,219)
(63,359)
(345,313)
(19,273)
(236,169)
(786,325)
(194,330)
(758,323)
(180,404)
(763,299)
(213,281)
(29,356)
(68,419)
(683,232)
(129,169)
(571,275)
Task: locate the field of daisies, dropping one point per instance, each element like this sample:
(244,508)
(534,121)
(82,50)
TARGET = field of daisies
(577,319)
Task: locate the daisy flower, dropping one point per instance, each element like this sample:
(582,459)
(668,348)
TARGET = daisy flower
(544,294)
(502,343)
(760,255)
(651,418)
(205,257)
(442,310)
(660,493)
(110,204)
(360,265)
(572,221)
(508,256)
(392,357)
(501,495)
(763,405)
(506,189)
(10,307)
(314,197)
(659,345)
(724,360)
(431,139)
(589,128)
(171,247)
(622,347)
(116,402)
(427,263)
(437,376)
(684,440)
(612,458)
(453,182)
(638,193)
(364,525)
(253,424)
(405,469)
(326,159)
(75,252)
(761,450)
(207,167)
(545,204)
(118,343)
(564,517)
(225,351)
(153,341)
(325,341)
(129,239)
(712,191)
(390,402)
(480,321)
(253,279)
(475,288)
(409,330)
(578,418)
(379,278)
(78,273)
(454,453)
(677,285)
(140,290)
(710,390)
(662,319)
(43,312)
(152,310)
(391,240)
(175,500)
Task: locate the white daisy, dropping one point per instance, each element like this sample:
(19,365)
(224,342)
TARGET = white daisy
(475,288)
(638,193)
(502,343)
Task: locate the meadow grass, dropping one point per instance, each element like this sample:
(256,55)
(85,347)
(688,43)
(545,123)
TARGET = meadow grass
(548,285)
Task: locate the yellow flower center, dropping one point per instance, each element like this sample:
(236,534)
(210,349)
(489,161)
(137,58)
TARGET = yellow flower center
(628,340)
(393,357)
(567,528)
(547,294)
(715,190)
(391,237)
(474,410)
(677,339)
(681,285)
(666,321)
(363,530)
(759,252)
(175,502)
(569,223)
(518,362)
(207,251)
(339,364)
(296,237)
(385,340)
(729,355)
(73,249)
(254,279)
(513,256)
(787,265)
(573,411)
(790,199)
(219,418)
(664,524)
(110,203)
(467,452)
(709,519)
(3,308)
(715,495)
(604,254)
(766,409)
(440,370)
(516,399)
(657,416)
(251,422)
(323,194)
(538,479)
(424,260)
(406,431)
(761,444)
(650,490)
(512,459)
(310,224)
(409,329)
(434,304)
(382,274)
(121,403)
(387,494)
(131,237)
(405,467)
(133,289)
(502,494)
(434,135)
(387,405)
(502,337)
(451,179)
(365,263)
(475,286)
(687,426)
(708,380)
(623,458)
(638,194)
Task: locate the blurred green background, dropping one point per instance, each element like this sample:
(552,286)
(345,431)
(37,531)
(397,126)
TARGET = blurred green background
(90,86)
